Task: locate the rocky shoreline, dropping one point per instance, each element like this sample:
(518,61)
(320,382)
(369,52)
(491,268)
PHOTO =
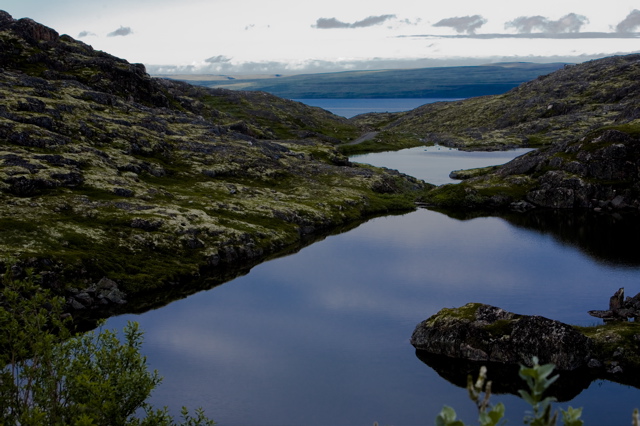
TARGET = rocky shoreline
(481,333)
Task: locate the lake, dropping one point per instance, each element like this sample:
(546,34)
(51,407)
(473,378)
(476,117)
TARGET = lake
(322,336)
(434,163)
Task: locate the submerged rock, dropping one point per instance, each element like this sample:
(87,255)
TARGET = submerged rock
(481,332)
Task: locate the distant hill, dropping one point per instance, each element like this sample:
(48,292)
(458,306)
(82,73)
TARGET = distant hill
(440,82)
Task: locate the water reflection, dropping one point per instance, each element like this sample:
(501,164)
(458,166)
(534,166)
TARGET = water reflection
(322,337)
(504,378)
(609,238)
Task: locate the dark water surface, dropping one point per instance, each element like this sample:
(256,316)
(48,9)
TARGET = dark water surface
(321,337)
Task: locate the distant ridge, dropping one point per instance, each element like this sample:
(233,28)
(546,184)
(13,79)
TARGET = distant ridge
(438,82)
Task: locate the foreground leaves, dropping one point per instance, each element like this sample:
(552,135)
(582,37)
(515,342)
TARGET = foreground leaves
(50,377)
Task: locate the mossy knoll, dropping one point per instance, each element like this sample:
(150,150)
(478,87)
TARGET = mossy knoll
(105,171)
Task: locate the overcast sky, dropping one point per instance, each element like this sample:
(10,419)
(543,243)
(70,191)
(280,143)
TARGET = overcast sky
(293,36)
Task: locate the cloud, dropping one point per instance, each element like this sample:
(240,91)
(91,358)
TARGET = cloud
(570,23)
(331,23)
(220,59)
(547,36)
(122,31)
(463,24)
(630,23)
(84,34)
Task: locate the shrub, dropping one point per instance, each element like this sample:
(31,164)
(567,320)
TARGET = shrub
(48,376)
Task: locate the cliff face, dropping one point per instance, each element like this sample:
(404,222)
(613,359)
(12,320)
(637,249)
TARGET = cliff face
(105,171)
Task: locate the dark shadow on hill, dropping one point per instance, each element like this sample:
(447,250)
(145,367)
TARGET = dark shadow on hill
(608,238)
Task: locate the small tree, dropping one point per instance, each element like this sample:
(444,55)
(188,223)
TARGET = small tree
(49,377)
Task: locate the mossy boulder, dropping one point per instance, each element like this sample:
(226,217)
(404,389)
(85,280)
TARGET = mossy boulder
(481,332)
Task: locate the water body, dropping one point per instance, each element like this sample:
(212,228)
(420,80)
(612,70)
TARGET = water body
(434,163)
(351,107)
(322,336)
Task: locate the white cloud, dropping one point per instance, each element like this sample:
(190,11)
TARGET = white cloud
(630,23)
(332,23)
(567,24)
(122,32)
(463,24)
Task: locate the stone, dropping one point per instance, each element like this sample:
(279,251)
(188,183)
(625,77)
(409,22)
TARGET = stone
(84,298)
(616,301)
(480,332)
(106,283)
(620,309)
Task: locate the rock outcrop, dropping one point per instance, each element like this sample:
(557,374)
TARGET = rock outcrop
(480,332)
(598,171)
(620,308)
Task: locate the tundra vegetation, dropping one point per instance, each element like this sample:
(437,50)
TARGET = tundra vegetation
(51,376)
(114,184)
(107,172)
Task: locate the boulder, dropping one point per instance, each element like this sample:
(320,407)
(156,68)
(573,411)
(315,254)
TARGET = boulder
(481,332)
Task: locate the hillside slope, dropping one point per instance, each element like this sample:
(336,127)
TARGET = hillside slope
(549,109)
(588,117)
(105,171)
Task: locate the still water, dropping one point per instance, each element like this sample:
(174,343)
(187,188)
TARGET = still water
(322,336)
(434,163)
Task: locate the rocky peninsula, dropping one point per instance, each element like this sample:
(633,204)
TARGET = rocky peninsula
(109,173)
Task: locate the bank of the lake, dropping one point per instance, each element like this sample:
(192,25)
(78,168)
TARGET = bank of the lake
(322,336)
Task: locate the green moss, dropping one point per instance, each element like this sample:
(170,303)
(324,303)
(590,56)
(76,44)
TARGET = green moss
(452,195)
(611,337)
(501,327)
(466,312)
(471,173)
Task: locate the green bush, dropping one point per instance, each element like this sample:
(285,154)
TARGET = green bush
(49,377)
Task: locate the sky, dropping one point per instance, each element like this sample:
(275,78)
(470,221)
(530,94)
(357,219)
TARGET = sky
(295,36)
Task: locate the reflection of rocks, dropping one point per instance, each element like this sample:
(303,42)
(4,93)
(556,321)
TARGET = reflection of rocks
(480,332)
(504,377)
(606,237)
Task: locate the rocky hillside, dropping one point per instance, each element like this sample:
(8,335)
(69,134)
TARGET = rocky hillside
(600,171)
(107,172)
(584,118)
(552,108)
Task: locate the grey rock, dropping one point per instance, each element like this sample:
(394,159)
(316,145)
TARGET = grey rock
(106,283)
(480,332)
(84,298)
(594,363)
